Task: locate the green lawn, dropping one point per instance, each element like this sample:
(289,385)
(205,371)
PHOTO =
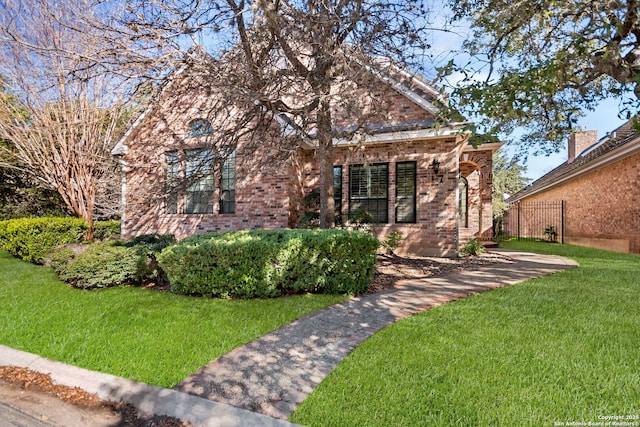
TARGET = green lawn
(559,349)
(149,336)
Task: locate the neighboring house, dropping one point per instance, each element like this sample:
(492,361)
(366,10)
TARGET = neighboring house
(600,187)
(424,181)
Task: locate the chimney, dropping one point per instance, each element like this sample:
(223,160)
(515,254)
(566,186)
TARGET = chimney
(580,141)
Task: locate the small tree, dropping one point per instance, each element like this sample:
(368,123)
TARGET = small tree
(63,117)
(508,179)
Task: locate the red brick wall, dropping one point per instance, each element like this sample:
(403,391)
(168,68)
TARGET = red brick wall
(602,207)
(264,181)
(435,231)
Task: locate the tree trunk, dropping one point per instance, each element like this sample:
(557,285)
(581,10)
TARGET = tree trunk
(325,160)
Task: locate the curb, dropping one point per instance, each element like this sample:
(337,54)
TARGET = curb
(147,398)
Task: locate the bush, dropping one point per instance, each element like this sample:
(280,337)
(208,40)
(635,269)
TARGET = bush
(31,239)
(474,247)
(3,231)
(103,264)
(267,263)
(103,230)
(112,262)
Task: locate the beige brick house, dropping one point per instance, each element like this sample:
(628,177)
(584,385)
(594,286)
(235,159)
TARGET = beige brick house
(424,181)
(600,187)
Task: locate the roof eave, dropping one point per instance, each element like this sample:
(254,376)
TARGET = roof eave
(617,154)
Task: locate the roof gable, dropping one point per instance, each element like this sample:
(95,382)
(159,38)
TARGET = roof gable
(412,86)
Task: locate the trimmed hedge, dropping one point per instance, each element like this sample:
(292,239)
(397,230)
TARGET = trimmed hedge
(268,263)
(103,230)
(31,239)
(112,262)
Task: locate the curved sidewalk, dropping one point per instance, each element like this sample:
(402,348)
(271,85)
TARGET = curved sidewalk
(275,373)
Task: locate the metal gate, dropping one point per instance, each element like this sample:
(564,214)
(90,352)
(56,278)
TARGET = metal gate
(538,220)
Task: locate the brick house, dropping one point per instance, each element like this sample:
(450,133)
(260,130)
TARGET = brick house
(599,185)
(424,181)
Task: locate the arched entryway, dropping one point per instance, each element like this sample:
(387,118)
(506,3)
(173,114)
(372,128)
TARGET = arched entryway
(474,197)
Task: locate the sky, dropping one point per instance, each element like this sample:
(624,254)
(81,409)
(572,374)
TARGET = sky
(604,119)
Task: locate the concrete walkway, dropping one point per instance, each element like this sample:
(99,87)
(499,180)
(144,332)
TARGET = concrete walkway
(275,373)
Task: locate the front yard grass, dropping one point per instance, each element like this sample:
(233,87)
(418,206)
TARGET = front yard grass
(155,337)
(559,349)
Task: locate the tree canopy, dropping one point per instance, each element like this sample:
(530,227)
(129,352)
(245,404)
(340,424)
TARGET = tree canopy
(540,64)
(508,179)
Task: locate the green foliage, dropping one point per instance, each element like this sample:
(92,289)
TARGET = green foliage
(392,241)
(508,178)
(20,196)
(112,262)
(31,239)
(473,248)
(102,265)
(267,263)
(103,230)
(540,65)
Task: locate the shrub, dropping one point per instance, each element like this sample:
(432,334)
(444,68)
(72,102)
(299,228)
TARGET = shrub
(103,230)
(474,247)
(148,246)
(111,263)
(3,231)
(392,241)
(32,238)
(103,264)
(267,263)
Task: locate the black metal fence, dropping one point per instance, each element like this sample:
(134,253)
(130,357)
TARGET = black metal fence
(535,220)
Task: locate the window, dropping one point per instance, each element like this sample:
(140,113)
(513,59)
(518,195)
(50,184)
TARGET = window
(337,192)
(463,205)
(368,190)
(200,127)
(199,180)
(189,181)
(228,185)
(406,192)
(172,180)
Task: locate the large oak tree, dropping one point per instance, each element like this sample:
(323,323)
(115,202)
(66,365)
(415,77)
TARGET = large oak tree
(539,64)
(295,60)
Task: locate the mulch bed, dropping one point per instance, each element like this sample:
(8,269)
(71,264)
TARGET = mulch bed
(130,416)
(392,268)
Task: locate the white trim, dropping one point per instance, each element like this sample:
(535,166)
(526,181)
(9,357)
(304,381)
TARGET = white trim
(123,195)
(493,146)
(403,136)
(615,155)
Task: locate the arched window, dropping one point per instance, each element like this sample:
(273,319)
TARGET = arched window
(463,202)
(200,127)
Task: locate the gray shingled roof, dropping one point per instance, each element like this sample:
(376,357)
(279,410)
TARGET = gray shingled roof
(614,140)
